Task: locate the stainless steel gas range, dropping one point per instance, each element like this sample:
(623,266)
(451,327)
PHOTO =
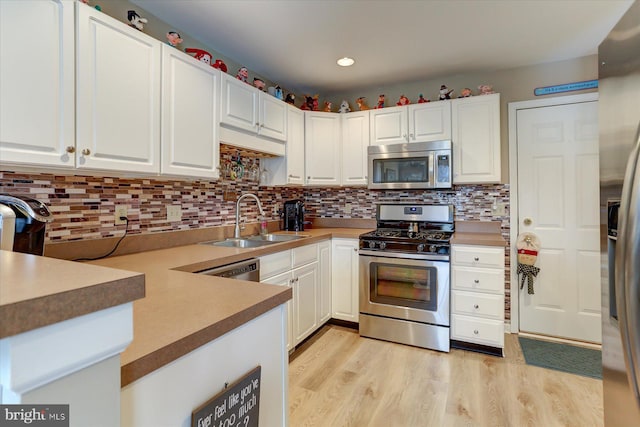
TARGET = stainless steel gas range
(404,275)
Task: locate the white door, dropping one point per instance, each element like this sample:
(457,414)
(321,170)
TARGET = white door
(345,280)
(238,104)
(430,121)
(558,200)
(389,125)
(189,116)
(295,146)
(273,117)
(355,140)
(322,148)
(305,293)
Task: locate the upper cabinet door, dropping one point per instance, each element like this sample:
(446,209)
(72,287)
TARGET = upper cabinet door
(239,104)
(322,148)
(355,140)
(389,126)
(476,139)
(273,117)
(189,115)
(295,146)
(430,121)
(37,82)
(118,95)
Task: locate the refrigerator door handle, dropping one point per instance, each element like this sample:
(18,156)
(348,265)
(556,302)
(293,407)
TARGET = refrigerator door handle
(627,281)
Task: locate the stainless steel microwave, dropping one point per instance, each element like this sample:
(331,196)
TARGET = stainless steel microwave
(417,165)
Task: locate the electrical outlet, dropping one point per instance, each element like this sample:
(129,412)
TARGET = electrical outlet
(499,209)
(174,213)
(121,210)
(347,208)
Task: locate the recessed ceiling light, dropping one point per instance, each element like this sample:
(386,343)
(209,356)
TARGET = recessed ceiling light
(346,61)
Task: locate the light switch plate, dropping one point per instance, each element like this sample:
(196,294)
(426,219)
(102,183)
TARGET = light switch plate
(174,213)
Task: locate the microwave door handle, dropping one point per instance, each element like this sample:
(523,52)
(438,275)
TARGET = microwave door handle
(626,285)
(432,172)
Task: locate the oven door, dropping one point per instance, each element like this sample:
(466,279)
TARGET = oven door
(404,288)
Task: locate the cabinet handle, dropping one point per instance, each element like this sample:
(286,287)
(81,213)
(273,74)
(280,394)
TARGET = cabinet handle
(291,281)
(308,177)
(404,136)
(71,149)
(476,306)
(86,152)
(475,331)
(411,136)
(476,281)
(297,279)
(355,249)
(476,259)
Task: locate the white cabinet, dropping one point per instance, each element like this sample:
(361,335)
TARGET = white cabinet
(476,139)
(118,95)
(250,118)
(324,281)
(477,295)
(345,279)
(429,121)
(37,113)
(189,116)
(307,269)
(322,148)
(288,170)
(355,140)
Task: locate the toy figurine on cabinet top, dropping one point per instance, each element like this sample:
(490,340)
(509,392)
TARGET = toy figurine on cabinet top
(327,107)
(243,74)
(486,89)
(445,93)
(403,100)
(220,65)
(278,93)
(173,38)
(200,55)
(135,20)
(421,99)
(344,107)
(290,99)
(362,103)
(258,83)
(380,103)
(465,93)
(307,104)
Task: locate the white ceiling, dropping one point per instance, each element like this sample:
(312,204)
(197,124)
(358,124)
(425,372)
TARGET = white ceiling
(296,42)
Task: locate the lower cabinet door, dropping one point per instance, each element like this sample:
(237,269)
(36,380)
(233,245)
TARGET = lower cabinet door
(284,279)
(305,292)
(477,330)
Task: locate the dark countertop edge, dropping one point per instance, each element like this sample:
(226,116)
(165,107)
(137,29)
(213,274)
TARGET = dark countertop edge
(142,366)
(27,315)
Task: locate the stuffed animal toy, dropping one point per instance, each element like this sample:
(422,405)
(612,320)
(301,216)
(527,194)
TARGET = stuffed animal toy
(421,99)
(465,93)
(243,74)
(315,103)
(135,20)
(290,99)
(173,38)
(200,55)
(362,103)
(327,107)
(445,93)
(380,103)
(486,90)
(307,104)
(220,65)
(344,107)
(258,83)
(528,245)
(278,93)
(403,100)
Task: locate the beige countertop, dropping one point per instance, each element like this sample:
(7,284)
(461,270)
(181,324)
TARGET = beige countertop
(484,233)
(37,291)
(182,311)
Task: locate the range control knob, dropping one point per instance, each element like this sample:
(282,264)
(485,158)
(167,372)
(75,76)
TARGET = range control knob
(433,248)
(372,244)
(383,245)
(420,247)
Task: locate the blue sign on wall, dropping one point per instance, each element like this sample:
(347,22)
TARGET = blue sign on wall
(567,87)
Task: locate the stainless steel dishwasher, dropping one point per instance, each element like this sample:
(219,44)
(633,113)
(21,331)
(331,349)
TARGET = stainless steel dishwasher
(243,270)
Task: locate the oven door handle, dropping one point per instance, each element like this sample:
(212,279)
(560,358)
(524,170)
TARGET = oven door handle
(418,256)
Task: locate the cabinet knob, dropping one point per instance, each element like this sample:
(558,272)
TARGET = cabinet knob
(476,281)
(476,259)
(290,176)
(476,306)
(308,177)
(86,151)
(355,249)
(475,331)
(411,136)
(71,149)
(297,279)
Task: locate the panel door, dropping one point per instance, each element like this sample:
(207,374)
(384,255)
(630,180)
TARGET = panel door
(324,281)
(322,148)
(238,104)
(345,280)
(284,279)
(558,194)
(37,82)
(430,121)
(189,116)
(305,294)
(475,125)
(118,95)
(388,126)
(295,146)
(355,140)
(273,117)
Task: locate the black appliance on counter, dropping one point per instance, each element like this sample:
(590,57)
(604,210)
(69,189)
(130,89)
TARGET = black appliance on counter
(293,215)
(23,222)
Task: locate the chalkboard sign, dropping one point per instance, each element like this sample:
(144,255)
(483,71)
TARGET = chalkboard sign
(238,405)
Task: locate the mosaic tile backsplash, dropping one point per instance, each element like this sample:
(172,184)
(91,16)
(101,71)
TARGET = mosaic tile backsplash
(84,206)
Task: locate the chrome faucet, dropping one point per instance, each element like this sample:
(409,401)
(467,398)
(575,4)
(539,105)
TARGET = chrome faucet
(236,233)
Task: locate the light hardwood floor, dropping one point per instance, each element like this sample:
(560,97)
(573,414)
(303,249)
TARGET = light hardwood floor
(340,379)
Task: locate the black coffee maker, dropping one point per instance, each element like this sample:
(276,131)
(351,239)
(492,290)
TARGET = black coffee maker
(23,222)
(293,215)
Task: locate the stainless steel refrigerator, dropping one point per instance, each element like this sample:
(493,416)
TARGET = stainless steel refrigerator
(619,122)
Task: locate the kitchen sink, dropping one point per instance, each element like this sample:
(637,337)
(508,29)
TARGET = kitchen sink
(240,243)
(272,238)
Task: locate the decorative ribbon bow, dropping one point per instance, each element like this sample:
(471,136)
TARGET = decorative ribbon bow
(528,272)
